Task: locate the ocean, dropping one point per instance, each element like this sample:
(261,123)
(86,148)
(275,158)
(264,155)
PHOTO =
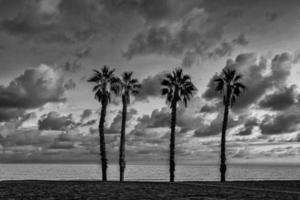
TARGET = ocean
(140,172)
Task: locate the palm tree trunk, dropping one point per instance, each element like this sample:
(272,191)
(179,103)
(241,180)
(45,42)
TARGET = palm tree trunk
(102,140)
(223,138)
(172,142)
(122,162)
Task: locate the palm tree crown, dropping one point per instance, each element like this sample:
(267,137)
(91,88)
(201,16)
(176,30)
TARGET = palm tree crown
(129,86)
(105,82)
(228,83)
(177,87)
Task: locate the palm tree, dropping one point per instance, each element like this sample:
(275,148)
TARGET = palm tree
(105,84)
(228,83)
(129,86)
(177,87)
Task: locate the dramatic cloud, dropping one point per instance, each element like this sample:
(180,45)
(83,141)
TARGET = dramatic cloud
(72,36)
(279,100)
(195,31)
(6,114)
(187,118)
(209,108)
(54,21)
(194,35)
(86,114)
(53,121)
(150,87)
(281,123)
(215,126)
(248,126)
(32,89)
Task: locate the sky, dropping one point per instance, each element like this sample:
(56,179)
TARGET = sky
(49,48)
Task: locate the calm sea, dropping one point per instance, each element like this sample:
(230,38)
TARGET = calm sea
(147,172)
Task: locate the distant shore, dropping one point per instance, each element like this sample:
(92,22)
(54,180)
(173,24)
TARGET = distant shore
(90,190)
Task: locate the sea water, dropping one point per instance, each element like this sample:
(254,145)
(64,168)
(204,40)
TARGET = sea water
(142,172)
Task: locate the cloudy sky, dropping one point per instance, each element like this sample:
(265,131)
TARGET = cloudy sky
(48,49)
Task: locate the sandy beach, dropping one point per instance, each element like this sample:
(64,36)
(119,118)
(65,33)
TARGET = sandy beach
(52,190)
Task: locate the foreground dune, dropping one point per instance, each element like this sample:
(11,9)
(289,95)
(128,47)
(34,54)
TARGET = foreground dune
(149,190)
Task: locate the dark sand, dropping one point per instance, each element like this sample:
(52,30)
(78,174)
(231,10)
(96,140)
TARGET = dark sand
(283,190)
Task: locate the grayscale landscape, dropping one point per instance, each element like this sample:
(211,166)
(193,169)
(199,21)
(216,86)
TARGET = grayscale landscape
(149,99)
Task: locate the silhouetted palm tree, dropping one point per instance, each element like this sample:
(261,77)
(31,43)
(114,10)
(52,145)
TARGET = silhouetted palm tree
(228,83)
(129,86)
(177,87)
(105,84)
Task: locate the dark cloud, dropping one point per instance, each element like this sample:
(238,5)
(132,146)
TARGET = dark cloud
(31,145)
(281,99)
(53,121)
(71,66)
(196,32)
(272,16)
(63,141)
(158,118)
(153,130)
(279,124)
(187,119)
(33,89)
(253,68)
(194,38)
(70,85)
(85,114)
(151,87)
(240,40)
(226,48)
(215,126)
(74,64)
(23,137)
(248,126)
(208,108)
(7,114)
(234,14)
(59,21)
(154,11)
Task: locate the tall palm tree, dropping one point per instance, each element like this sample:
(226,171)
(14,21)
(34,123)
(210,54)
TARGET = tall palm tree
(105,84)
(129,86)
(228,83)
(177,87)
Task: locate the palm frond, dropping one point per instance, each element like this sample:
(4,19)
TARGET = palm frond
(238,77)
(96,87)
(166,82)
(228,81)
(129,85)
(240,85)
(165,91)
(177,86)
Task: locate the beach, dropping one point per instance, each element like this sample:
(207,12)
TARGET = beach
(92,190)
